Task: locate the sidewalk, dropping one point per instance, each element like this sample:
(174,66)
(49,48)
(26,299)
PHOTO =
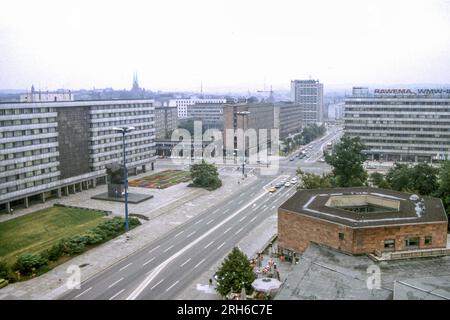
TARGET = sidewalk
(251,244)
(52,284)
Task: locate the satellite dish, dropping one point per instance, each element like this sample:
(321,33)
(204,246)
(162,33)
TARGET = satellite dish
(414,197)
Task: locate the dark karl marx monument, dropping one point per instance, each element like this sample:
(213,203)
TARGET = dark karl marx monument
(116,187)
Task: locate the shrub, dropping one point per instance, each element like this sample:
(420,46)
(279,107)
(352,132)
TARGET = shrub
(28,262)
(134,222)
(73,245)
(4,269)
(55,252)
(93,238)
(3,283)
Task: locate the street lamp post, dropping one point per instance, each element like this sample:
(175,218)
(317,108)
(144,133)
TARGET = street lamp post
(125,130)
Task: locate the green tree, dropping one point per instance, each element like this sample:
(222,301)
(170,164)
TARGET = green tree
(444,184)
(235,273)
(205,175)
(424,179)
(314,181)
(421,178)
(347,161)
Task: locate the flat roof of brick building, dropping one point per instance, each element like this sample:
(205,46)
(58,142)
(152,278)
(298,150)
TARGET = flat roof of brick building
(317,203)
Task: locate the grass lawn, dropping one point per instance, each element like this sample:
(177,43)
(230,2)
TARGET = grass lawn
(38,231)
(162,179)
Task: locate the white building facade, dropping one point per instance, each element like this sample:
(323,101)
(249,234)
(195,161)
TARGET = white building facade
(182,104)
(400,124)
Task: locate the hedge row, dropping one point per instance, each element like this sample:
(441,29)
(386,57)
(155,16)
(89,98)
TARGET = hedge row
(29,263)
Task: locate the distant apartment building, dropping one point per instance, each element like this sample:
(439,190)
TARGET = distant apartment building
(211,114)
(51,149)
(288,118)
(182,104)
(309,95)
(166,120)
(38,96)
(400,124)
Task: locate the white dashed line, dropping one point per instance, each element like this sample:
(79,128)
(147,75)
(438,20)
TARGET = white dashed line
(220,246)
(242,218)
(126,266)
(253,219)
(169,248)
(199,263)
(199,221)
(210,221)
(190,234)
(239,230)
(181,265)
(179,233)
(241,201)
(113,284)
(209,244)
(117,294)
(83,292)
(215,211)
(172,285)
(156,284)
(273,207)
(149,261)
(227,230)
(154,249)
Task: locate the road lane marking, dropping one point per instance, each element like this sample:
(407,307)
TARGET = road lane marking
(265,209)
(126,266)
(149,261)
(156,284)
(178,233)
(215,211)
(141,287)
(239,230)
(117,294)
(273,207)
(241,201)
(112,285)
(226,211)
(242,218)
(169,248)
(227,230)
(83,292)
(253,219)
(209,244)
(182,265)
(154,249)
(220,246)
(172,285)
(199,221)
(203,260)
(210,221)
(190,234)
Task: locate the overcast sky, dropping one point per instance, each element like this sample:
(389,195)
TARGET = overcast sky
(174,45)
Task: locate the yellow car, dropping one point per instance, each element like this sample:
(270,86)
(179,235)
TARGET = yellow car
(272,189)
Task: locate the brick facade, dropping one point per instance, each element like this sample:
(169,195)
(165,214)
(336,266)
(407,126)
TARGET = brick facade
(296,231)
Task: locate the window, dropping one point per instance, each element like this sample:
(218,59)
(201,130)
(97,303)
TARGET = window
(341,236)
(389,244)
(412,243)
(428,240)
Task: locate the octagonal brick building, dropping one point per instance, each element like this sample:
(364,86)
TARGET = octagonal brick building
(361,220)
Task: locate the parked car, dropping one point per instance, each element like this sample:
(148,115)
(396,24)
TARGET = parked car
(278,185)
(272,189)
(287,184)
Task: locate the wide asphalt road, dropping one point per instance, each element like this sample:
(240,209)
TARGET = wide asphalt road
(161,269)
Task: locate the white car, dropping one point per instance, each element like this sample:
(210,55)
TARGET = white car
(293,180)
(287,184)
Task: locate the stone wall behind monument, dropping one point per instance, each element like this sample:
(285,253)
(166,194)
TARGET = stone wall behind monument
(73,140)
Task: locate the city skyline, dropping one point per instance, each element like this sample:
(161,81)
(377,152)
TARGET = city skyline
(180,45)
